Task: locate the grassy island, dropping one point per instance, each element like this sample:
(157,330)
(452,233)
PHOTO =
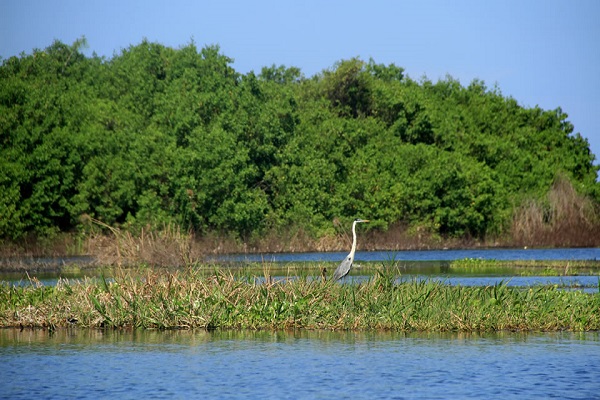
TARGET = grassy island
(192,299)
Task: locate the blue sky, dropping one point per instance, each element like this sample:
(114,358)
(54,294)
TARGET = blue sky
(541,52)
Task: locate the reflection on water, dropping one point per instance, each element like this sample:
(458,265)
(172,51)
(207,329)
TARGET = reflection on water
(509,277)
(304,364)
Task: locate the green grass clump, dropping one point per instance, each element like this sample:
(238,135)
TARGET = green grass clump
(527,267)
(190,299)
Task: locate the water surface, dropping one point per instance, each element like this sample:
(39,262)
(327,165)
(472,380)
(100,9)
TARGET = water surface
(307,364)
(567,254)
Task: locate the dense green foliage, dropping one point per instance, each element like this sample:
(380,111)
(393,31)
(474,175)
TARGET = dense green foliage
(159,135)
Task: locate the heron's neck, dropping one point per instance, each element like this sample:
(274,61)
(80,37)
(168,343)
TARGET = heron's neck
(353,238)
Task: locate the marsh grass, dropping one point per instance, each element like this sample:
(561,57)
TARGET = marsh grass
(189,299)
(527,267)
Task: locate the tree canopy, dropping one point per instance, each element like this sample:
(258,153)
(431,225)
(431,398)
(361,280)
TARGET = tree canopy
(158,135)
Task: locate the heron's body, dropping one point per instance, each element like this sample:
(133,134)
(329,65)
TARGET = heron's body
(343,269)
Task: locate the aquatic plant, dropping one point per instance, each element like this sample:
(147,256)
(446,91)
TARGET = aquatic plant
(527,267)
(150,299)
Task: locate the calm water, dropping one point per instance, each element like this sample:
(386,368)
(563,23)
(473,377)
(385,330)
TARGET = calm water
(424,255)
(312,365)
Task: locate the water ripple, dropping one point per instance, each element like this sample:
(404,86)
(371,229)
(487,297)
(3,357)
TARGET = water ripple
(299,365)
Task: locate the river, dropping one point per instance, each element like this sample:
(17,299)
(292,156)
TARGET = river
(566,254)
(298,365)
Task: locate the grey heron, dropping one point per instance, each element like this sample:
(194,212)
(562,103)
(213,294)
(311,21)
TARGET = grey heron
(345,266)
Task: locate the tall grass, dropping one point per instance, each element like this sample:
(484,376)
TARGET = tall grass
(190,300)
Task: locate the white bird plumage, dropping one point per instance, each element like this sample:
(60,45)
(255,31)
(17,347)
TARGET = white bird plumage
(343,269)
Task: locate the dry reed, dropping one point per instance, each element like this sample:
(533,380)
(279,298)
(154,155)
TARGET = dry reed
(563,219)
(169,246)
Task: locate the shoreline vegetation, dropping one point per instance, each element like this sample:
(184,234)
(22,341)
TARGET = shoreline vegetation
(190,299)
(173,247)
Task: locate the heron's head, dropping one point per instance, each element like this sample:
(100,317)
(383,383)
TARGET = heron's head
(361,220)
